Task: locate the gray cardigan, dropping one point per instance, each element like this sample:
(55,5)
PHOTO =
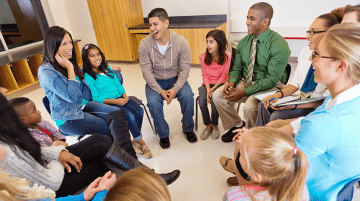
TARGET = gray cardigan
(51,177)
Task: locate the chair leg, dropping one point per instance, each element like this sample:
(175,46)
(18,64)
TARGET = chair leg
(196,113)
(147,114)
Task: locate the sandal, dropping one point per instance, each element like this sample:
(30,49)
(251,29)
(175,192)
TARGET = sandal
(223,162)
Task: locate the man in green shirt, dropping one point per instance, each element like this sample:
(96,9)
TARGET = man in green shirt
(261,59)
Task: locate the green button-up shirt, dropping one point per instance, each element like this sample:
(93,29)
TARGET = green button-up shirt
(272,54)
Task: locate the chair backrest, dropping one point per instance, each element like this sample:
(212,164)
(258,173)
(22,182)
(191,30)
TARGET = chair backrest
(46,103)
(288,72)
(119,76)
(346,193)
(232,62)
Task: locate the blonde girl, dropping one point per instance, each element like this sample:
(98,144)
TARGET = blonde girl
(140,184)
(269,166)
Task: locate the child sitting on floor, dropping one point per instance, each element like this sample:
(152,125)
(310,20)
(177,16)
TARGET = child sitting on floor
(42,130)
(269,166)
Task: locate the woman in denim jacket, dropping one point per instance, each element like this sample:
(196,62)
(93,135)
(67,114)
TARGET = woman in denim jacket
(71,104)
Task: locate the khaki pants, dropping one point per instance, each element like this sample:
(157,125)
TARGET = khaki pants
(228,114)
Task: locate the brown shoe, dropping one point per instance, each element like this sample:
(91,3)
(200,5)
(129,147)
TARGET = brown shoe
(137,147)
(232,181)
(146,152)
(223,161)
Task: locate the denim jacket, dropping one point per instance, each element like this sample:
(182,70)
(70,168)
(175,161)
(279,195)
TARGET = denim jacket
(65,95)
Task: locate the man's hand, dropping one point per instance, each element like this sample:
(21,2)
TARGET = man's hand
(236,95)
(59,142)
(66,157)
(229,87)
(171,93)
(164,96)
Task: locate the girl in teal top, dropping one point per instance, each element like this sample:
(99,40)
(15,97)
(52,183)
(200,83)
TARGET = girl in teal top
(106,88)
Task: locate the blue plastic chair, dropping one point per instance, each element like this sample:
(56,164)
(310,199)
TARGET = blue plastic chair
(347,192)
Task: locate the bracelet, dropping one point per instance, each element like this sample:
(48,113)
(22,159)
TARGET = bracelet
(294,107)
(282,94)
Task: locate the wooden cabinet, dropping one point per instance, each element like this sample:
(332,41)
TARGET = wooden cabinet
(111,19)
(20,74)
(196,39)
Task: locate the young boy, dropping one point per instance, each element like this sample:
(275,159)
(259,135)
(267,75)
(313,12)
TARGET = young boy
(42,130)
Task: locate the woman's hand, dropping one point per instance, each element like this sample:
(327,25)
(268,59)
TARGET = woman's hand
(92,189)
(100,184)
(269,100)
(286,107)
(108,180)
(66,157)
(240,133)
(64,62)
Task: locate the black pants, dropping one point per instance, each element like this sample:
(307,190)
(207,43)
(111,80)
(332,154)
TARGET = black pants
(204,107)
(91,151)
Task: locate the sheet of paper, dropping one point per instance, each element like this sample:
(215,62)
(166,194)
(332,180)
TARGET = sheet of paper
(299,102)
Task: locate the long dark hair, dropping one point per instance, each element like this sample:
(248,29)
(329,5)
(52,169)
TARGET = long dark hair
(220,37)
(87,68)
(52,42)
(15,134)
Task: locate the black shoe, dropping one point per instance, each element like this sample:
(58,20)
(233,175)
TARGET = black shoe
(164,142)
(191,136)
(169,178)
(228,136)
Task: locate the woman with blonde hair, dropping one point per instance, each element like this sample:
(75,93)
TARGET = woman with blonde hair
(329,136)
(275,169)
(140,184)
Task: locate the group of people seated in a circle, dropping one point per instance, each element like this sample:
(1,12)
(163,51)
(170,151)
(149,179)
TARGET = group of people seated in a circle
(295,152)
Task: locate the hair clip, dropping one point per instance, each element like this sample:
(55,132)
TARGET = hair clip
(86,47)
(295,150)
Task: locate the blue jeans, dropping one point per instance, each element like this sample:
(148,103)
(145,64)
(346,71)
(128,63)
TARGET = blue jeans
(156,103)
(134,116)
(93,121)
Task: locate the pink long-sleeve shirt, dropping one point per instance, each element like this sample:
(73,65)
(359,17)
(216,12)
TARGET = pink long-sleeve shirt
(215,72)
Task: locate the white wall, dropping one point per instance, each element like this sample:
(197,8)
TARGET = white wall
(187,7)
(74,16)
(6,16)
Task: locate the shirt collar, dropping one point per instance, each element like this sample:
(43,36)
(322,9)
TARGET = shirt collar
(262,37)
(344,96)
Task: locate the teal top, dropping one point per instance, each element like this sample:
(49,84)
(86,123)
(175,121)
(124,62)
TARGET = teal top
(84,101)
(272,54)
(330,139)
(104,87)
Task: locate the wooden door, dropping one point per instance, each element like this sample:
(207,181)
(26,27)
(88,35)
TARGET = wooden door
(98,16)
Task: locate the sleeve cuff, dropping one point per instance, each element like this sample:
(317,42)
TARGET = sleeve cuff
(296,125)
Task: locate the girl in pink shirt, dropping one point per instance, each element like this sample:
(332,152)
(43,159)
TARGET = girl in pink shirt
(215,64)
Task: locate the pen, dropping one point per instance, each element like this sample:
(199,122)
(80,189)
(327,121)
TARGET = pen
(270,100)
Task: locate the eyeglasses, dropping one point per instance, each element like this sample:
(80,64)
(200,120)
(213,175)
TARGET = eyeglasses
(313,32)
(315,54)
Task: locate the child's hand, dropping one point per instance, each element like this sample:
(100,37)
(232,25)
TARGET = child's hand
(59,142)
(116,68)
(92,189)
(240,133)
(108,180)
(54,139)
(121,101)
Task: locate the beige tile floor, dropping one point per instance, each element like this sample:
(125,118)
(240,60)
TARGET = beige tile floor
(202,177)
